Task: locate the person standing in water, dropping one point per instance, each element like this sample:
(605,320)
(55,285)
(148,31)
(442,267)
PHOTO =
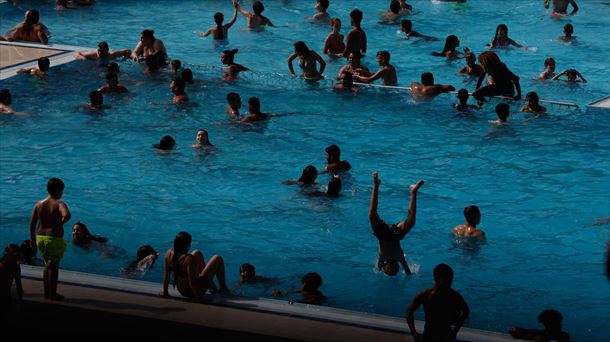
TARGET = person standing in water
(501,81)
(228,58)
(334,45)
(469,229)
(256,21)
(220,31)
(356,38)
(308,60)
(387,73)
(501,39)
(560,7)
(47,233)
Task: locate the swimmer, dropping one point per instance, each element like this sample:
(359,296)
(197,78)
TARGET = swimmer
(177,86)
(356,38)
(113,67)
(394,14)
(501,81)
(148,46)
(256,21)
(166,143)
(469,229)
(47,233)
(406,26)
(347,83)
(321,6)
(103,53)
(234,101)
(96,101)
(427,88)
(560,7)
(247,275)
(187,75)
(6,99)
(568,31)
(112,85)
(463,106)
(572,76)
(228,58)
(308,177)
(549,69)
(333,45)
(551,320)
(254,108)
(145,259)
(387,73)
(81,236)
(501,40)
(10,271)
(202,139)
(192,275)
(176,65)
(308,60)
(30,30)
(471,68)
(41,71)
(404,6)
(532,104)
(451,43)
(310,283)
(220,31)
(354,67)
(503,112)
(333,160)
(332,190)
(389,236)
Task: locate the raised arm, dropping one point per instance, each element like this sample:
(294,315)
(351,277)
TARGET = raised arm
(234,18)
(244,12)
(373,215)
(556,77)
(407,224)
(290,67)
(575,6)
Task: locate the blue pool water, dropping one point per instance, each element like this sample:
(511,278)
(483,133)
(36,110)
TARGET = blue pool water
(540,184)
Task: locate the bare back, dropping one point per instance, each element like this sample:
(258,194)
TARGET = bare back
(51,215)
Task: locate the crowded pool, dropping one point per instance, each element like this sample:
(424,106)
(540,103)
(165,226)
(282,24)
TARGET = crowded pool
(541,184)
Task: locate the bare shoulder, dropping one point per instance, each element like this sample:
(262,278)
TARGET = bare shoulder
(459,229)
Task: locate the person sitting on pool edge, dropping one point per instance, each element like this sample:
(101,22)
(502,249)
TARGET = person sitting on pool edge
(112,85)
(463,106)
(321,7)
(81,236)
(572,76)
(387,72)
(310,284)
(254,108)
(333,160)
(103,53)
(427,88)
(96,99)
(234,101)
(551,320)
(503,112)
(256,21)
(406,26)
(177,86)
(389,236)
(532,104)
(166,143)
(469,229)
(192,275)
(220,31)
(41,71)
(202,139)
(347,83)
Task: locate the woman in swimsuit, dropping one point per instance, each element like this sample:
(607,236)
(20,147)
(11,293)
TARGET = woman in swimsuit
(451,43)
(501,40)
(307,61)
(227,58)
(30,30)
(192,276)
(148,46)
(501,81)
(334,42)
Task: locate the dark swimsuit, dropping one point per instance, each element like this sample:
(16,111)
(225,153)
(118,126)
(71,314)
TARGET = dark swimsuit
(385,232)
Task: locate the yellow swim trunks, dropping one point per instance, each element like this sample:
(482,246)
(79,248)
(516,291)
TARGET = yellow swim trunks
(51,248)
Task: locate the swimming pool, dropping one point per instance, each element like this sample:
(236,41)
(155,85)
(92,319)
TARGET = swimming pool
(540,184)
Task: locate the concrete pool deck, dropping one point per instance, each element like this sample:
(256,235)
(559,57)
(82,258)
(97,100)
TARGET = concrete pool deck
(117,302)
(17,55)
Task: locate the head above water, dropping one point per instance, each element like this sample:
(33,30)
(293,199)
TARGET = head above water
(550,63)
(471,59)
(301,49)
(32,17)
(176,64)
(354,58)
(219,18)
(187,75)
(406,25)
(254,105)
(147,37)
(451,43)
(383,57)
(234,100)
(551,319)
(443,276)
(532,98)
(571,75)
(166,143)
(113,67)
(462,95)
(335,23)
(489,60)
(568,29)
(80,233)
(390,267)
(258,8)
(356,17)
(427,79)
(322,5)
(503,111)
(12,253)
(44,64)
(247,272)
(395,6)
(309,175)
(501,31)
(5,97)
(472,214)
(182,244)
(55,187)
(228,56)
(311,281)
(334,186)
(96,98)
(112,78)
(177,85)
(202,137)
(333,154)
(145,251)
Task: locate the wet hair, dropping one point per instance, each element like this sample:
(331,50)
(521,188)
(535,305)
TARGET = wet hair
(309,175)
(44,63)
(176,64)
(324,4)
(5,97)
(334,187)
(145,251)
(501,26)
(356,16)
(301,49)
(443,275)
(334,151)
(166,143)
(395,6)
(148,34)
(427,79)
(571,73)
(180,84)
(311,281)
(110,76)
(255,102)
(13,249)
(207,136)
(390,267)
(181,247)
(96,97)
(503,110)
(333,21)
(258,7)
(462,94)
(187,75)
(113,67)
(532,96)
(32,17)
(347,79)
(407,24)
(218,18)
(568,29)
(103,45)
(551,319)
(384,54)
(230,54)
(231,97)
(55,185)
(489,60)
(88,235)
(451,42)
(247,266)
(549,61)
(472,212)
